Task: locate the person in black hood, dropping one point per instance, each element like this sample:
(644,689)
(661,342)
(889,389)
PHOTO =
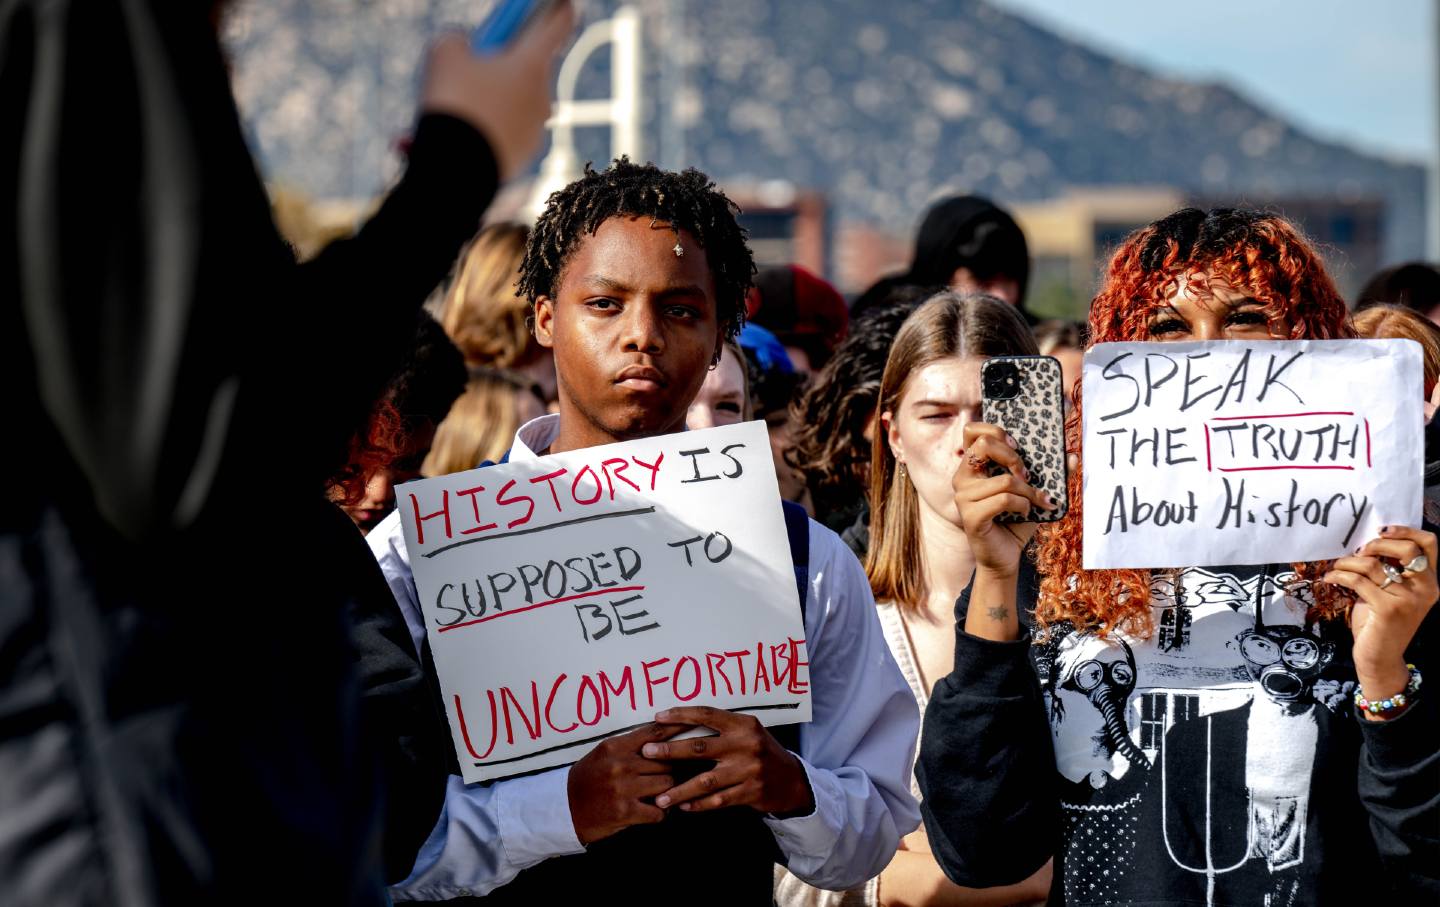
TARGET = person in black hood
(180,717)
(971,245)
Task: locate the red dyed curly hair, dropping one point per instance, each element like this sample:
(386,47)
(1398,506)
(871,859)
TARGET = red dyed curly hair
(1259,254)
(383,440)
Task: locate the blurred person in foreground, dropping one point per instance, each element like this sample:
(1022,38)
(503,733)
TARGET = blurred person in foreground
(1416,286)
(181,726)
(483,420)
(485,318)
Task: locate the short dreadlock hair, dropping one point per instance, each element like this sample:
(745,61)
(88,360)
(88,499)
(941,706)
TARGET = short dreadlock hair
(688,200)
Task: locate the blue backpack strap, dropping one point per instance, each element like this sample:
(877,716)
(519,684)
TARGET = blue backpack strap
(797,530)
(504,459)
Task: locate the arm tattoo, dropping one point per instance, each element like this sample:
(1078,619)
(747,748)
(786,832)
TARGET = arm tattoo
(999,612)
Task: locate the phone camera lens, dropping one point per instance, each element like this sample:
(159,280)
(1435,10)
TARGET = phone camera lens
(1001,380)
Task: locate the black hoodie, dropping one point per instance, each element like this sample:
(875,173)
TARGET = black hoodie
(179,706)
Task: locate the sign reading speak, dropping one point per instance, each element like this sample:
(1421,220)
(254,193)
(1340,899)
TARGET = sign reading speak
(568,599)
(1235,452)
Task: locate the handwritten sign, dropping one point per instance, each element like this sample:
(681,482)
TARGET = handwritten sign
(568,599)
(1235,452)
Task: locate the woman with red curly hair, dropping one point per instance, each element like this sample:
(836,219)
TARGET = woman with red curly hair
(1186,735)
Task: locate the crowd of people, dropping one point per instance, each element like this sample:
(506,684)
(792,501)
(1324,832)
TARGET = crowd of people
(182,721)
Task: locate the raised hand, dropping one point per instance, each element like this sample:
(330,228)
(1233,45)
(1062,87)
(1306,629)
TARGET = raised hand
(1389,608)
(506,96)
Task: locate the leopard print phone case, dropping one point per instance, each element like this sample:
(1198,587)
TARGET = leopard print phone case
(1024,395)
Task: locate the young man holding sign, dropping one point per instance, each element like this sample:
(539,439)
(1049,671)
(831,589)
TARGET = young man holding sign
(637,276)
(1192,735)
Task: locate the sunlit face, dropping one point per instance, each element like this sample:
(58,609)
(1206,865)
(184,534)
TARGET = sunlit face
(1218,312)
(721,400)
(633,327)
(926,431)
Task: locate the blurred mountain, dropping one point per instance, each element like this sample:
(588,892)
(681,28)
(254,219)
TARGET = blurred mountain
(882,105)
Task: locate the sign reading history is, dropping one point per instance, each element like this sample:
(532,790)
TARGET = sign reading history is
(1237,452)
(569,598)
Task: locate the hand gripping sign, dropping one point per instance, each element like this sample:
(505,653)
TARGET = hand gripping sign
(1237,452)
(569,598)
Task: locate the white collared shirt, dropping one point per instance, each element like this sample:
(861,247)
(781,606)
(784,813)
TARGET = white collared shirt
(857,750)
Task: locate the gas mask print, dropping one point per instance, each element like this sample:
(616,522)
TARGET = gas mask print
(1090,682)
(1285,660)
(1107,680)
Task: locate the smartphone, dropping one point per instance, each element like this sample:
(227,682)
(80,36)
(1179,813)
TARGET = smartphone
(506,21)
(1025,396)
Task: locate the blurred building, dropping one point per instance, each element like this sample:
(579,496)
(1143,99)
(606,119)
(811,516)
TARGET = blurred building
(1072,237)
(875,108)
(1349,232)
(785,225)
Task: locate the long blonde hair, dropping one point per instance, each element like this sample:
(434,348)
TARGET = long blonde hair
(945,326)
(481,312)
(481,424)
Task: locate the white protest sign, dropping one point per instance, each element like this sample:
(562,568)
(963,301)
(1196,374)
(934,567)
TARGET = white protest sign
(1239,452)
(570,598)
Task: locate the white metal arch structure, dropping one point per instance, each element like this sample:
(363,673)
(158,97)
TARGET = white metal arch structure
(620,111)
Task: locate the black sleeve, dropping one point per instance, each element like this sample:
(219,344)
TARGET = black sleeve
(355,304)
(986,765)
(361,294)
(1399,778)
(401,726)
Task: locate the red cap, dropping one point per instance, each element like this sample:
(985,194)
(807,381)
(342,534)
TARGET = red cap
(795,304)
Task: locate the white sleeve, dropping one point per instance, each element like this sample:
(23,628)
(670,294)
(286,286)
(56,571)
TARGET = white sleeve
(387,543)
(486,834)
(859,746)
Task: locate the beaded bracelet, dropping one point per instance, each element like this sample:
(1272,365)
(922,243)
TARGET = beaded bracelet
(1385,707)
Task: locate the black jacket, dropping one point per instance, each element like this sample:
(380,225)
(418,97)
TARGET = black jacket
(179,706)
(1191,784)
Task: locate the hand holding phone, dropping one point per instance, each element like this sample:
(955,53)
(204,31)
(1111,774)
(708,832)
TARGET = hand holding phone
(1023,396)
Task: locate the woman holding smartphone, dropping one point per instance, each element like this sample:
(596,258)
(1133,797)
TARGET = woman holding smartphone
(1190,735)
(919,558)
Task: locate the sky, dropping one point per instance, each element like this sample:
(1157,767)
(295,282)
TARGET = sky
(1359,72)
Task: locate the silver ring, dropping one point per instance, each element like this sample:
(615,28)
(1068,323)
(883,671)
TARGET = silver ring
(1393,574)
(1419,564)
